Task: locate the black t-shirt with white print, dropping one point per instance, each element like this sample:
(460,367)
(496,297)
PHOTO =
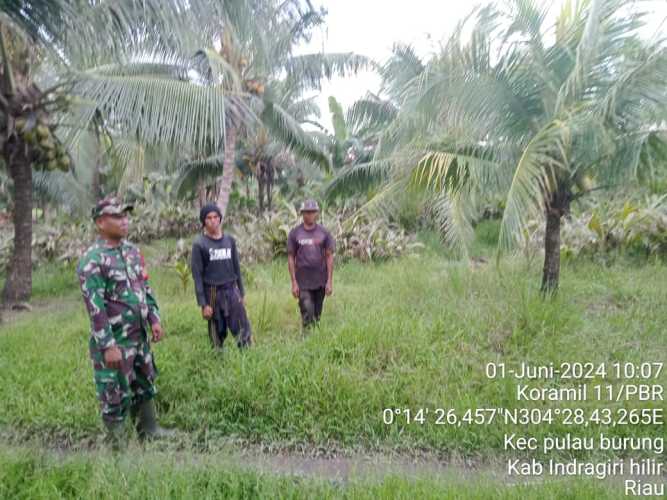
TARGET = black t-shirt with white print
(214,262)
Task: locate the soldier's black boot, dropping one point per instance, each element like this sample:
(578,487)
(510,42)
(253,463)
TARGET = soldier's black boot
(147,426)
(116,435)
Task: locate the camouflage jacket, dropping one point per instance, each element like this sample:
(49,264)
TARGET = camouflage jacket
(115,288)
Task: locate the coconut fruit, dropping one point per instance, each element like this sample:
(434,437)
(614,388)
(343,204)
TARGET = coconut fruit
(43,131)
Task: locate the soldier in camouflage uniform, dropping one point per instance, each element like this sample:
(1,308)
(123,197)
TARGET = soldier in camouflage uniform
(121,306)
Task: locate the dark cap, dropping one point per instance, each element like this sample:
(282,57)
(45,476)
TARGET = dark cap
(309,206)
(110,206)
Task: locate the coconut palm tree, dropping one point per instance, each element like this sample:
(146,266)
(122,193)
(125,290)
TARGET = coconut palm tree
(138,67)
(27,138)
(96,52)
(271,79)
(542,113)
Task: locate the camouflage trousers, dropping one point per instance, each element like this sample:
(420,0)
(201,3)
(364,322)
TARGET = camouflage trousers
(119,390)
(228,314)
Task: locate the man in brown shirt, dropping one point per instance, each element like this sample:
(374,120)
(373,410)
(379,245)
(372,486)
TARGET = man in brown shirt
(310,249)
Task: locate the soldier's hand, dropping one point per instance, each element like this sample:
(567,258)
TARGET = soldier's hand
(113,357)
(158,332)
(295,290)
(207,312)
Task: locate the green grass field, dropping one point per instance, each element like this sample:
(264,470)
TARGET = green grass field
(413,333)
(35,476)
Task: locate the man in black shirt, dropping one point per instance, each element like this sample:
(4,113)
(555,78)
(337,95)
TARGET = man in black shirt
(218,284)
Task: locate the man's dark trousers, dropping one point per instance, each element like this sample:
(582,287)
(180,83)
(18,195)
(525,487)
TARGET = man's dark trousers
(310,304)
(229,314)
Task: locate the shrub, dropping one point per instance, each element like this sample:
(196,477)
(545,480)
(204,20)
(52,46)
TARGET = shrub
(633,227)
(260,238)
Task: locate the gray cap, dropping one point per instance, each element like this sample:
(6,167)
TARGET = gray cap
(309,206)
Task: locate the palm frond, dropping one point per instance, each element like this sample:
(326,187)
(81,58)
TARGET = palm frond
(637,86)
(653,156)
(610,25)
(63,189)
(452,175)
(399,70)
(216,70)
(386,201)
(338,120)
(129,159)
(527,18)
(310,69)
(535,176)
(191,173)
(358,178)
(161,110)
(449,167)
(452,210)
(303,109)
(172,70)
(370,114)
(85,33)
(289,131)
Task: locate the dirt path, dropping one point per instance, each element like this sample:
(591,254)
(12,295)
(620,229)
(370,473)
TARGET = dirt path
(344,468)
(319,463)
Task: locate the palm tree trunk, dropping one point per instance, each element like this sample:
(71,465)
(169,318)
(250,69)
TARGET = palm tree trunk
(18,286)
(260,194)
(95,181)
(224,183)
(551,271)
(269,187)
(558,205)
(201,193)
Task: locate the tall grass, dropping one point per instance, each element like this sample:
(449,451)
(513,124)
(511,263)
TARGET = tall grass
(410,333)
(36,476)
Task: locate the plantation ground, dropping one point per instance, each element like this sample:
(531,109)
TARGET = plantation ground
(412,333)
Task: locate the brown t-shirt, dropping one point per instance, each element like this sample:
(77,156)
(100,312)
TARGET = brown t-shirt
(309,250)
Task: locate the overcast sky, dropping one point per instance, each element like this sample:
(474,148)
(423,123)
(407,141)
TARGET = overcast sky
(371,27)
